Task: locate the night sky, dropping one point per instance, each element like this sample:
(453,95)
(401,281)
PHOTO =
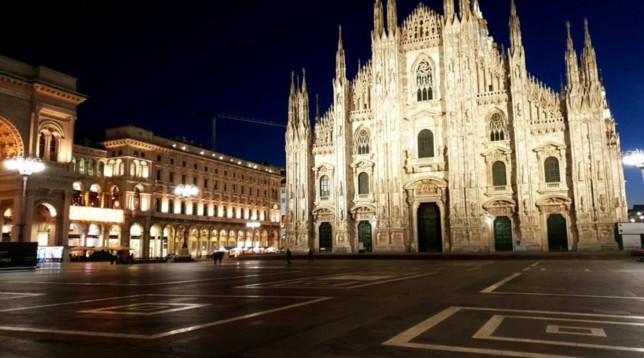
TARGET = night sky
(152,64)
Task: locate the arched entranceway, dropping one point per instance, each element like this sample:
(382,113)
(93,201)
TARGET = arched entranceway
(557,233)
(429,228)
(44,224)
(326,237)
(156,246)
(502,234)
(364,236)
(136,233)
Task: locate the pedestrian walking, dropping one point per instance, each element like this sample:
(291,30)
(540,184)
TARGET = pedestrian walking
(288,256)
(310,255)
(214,256)
(220,256)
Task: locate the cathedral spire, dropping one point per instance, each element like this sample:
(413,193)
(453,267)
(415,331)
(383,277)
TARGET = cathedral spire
(515,30)
(588,58)
(448,9)
(304,103)
(464,9)
(340,61)
(476,8)
(378,19)
(572,66)
(392,17)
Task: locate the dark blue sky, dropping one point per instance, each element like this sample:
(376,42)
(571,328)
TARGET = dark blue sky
(151,64)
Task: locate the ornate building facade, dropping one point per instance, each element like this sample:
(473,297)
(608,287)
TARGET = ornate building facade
(119,191)
(444,142)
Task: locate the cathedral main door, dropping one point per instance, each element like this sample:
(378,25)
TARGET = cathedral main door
(557,233)
(364,235)
(502,234)
(326,237)
(429,228)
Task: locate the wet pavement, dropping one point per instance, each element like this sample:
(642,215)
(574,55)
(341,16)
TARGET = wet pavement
(574,306)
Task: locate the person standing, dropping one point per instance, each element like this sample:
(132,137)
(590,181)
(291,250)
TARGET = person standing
(214,256)
(288,256)
(310,255)
(220,256)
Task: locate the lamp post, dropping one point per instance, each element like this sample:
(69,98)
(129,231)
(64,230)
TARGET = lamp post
(634,158)
(185,191)
(25,166)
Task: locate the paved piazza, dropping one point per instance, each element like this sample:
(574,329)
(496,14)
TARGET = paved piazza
(326,308)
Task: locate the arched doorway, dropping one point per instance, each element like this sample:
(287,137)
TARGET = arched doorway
(44,224)
(364,236)
(429,228)
(326,237)
(502,234)
(155,248)
(557,233)
(136,233)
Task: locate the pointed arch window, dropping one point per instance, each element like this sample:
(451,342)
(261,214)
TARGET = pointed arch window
(325,189)
(74,164)
(425,144)
(551,168)
(424,82)
(100,169)
(363,183)
(362,142)
(498,174)
(497,128)
(170,206)
(90,167)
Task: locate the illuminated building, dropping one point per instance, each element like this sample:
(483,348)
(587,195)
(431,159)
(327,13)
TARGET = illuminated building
(444,142)
(120,192)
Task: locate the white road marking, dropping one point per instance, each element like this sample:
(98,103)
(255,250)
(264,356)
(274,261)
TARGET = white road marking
(637,298)
(67,303)
(404,339)
(500,283)
(168,333)
(10,295)
(578,331)
(285,283)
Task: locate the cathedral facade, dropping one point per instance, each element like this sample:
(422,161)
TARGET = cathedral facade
(444,142)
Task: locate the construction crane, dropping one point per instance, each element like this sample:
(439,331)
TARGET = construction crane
(215,116)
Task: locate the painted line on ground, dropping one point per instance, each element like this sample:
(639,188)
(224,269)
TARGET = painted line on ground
(66,303)
(167,333)
(500,283)
(404,339)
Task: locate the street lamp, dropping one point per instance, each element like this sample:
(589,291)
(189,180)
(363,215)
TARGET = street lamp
(634,158)
(185,191)
(25,166)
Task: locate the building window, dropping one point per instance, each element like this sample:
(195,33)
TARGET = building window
(158,158)
(137,199)
(325,189)
(362,142)
(158,174)
(551,168)
(498,174)
(171,206)
(363,183)
(424,82)
(100,169)
(205,183)
(171,177)
(216,185)
(497,128)
(41,146)
(171,161)
(194,181)
(53,149)
(81,166)
(194,209)
(157,205)
(183,179)
(90,167)
(183,163)
(425,144)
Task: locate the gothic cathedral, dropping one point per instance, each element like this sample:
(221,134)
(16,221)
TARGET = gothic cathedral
(443,142)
